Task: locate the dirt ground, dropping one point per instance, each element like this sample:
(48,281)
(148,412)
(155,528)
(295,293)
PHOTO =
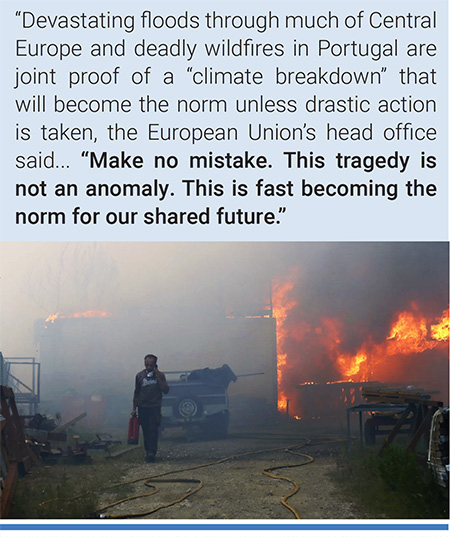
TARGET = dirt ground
(236,487)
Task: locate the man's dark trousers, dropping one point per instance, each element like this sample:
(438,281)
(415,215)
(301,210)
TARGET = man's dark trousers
(149,419)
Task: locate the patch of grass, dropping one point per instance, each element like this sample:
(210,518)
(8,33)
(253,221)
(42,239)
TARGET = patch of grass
(45,494)
(393,486)
(67,491)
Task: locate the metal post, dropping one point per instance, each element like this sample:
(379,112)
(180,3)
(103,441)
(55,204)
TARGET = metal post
(34,375)
(360,430)
(349,442)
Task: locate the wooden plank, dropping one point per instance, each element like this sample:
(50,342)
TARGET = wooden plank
(406,396)
(67,424)
(396,428)
(6,392)
(10,438)
(20,435)
(421,429)
(123,451)
(8,490)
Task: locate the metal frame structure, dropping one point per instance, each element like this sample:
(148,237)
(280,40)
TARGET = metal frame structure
(404,402)
(24,394)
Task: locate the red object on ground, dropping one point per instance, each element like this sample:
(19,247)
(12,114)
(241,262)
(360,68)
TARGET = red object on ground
(133,430)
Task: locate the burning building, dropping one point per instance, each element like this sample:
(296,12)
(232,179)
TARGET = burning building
(323,362)
(310,316)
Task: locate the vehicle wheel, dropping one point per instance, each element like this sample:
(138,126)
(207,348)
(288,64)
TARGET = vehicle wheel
(217,426)
(187,408)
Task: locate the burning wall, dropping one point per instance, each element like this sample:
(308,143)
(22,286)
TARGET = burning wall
(316,349)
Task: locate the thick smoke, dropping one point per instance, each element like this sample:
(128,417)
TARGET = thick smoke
(172,298)
(349,295)
(366,285)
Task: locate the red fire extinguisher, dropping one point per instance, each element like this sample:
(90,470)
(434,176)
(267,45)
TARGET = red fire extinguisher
(133,430)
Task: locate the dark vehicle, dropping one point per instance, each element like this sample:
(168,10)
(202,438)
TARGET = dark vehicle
(198,398)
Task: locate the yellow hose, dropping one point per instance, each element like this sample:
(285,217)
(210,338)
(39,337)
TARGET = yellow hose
(156,489)
(158,479)
(268,472)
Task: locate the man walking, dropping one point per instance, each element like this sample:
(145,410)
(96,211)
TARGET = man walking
(149,387)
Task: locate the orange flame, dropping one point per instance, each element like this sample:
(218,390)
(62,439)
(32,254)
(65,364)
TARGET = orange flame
(282,305)
(84,314)
(411,333)
(351,365)
(440,330)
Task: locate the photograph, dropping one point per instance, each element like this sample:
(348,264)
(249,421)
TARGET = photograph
(224,380)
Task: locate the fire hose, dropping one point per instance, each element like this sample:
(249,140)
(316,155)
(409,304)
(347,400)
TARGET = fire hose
(148,481)
(161,478)
(154,491)
(268,472)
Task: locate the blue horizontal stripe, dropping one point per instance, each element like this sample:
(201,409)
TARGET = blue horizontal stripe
(196,527)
